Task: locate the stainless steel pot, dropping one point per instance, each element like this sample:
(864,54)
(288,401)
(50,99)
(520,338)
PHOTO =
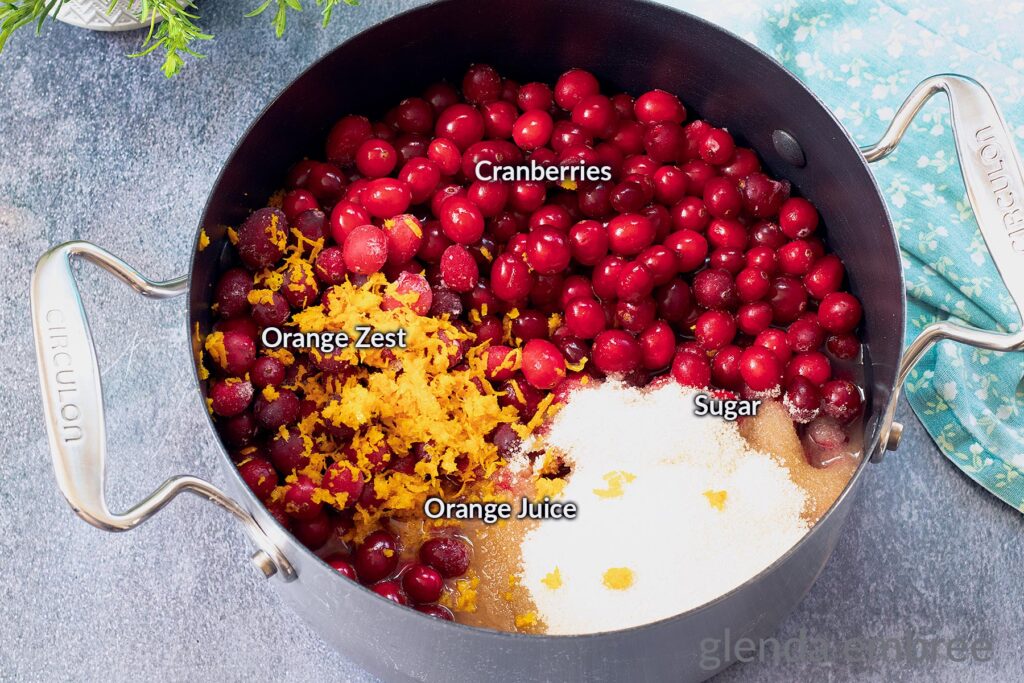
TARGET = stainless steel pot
(630,45)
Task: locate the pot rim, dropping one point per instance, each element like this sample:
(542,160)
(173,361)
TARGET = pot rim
(869,443)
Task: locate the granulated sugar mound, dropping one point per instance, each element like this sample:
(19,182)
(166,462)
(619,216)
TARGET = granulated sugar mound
(674,511)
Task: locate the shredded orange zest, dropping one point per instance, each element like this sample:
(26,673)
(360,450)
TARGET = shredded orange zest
(204,239)
(618,578)
(553,579)
(616,484)
(716,498)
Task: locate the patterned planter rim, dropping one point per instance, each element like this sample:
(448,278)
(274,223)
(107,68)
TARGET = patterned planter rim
(96,15)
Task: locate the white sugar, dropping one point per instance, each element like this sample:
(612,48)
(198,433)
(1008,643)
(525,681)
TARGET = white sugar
(648,477)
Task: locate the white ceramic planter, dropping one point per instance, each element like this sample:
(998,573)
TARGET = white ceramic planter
(96,15)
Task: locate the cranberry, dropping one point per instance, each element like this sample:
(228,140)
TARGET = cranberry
(273,414)
(288,451)
(788,299)
(296,202)
(376,557)
(722,198)
(717,147)
(762,258)
(691,369)
(767,234)
(662,142)
(657,345)
(616,352)
(481,84)
(527,196)
(330,266)
(259,475)
(762,196)
(310,224)
(632,193)
(298,499)
(547,250)
(760,369)
(345,483)
(605,278)
(795,258)
(237,431)
(839,312)
(810,364)
(715,289)
(446,155)
(661,262)
(754,317)
(346,217)
(588,242)
(743,162)
(441,96)
(595,114)
(534,96)
(313,533)
(725,368)
(530,324)
(422,583)
(376,158)
(824,276)
(752,284)
(725,233)
(261,239)
(804,334)
(437,611)
(415,115)
(635,282)
(673,301)
(690,248)
(841,400)
(459,270)
(634,316)
(325,182)
(391,591)
(843,346)
(689,213)
(340,564)
(533,129)
(715,329)
(629,234)
(698,174)
(798,218)
(450,556)
(231,295)
(775,341)
(345,138)
(267,371)
(656,106)
(584,317)
(510,278)
(461,220)
(460,123)
(543,364)
(366,250)
(230,397)
(802,399)
(572,86)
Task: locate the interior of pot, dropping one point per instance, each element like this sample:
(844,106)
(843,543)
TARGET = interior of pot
(629,45)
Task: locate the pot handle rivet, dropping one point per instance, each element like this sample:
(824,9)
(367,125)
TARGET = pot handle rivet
(789,149)
(895,434)
(262,561)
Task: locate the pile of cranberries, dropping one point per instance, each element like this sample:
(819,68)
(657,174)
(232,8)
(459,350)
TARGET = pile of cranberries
(691,263)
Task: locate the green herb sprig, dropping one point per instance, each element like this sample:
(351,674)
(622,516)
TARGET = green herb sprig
(173,31)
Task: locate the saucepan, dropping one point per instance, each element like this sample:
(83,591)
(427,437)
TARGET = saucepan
(632,46)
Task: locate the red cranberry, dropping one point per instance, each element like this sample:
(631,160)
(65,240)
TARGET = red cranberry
(288,451)
(386,197)
(461,220)
(788,299)
(691,369)
(824,276)
(409,290)
(437,611)
(762,258)
(722,198)
(267,371)
(798,218)
(376,557)
(450,556)
(605,278)
(629,234)
(259,475)
(595,114)
(273,414)
(810,364)
(635,316)
(616,352)
(345,137)
(346,217)
(588,242)
(366,250)
(662,142)
(460,123)
(802,400)
(752,284)
(754,317)
(717,147)
(530,324)
(674,301)
(534,96)
(376,158)
(657,345)
(839,312)
(296,202)
(510,278)
(543,364)
(661,262)
(760,369)
(690,248)
(689,213)
(340,564)
(547,250)
(775,341)
(230,397)
(422,583)
(656,106)
(481,84)
(714,289)
(725,368)
(804,334)
(391,591)
(584,317)
(762,196)
(237,431)
(533,129)
(669,185)
(843,346)
(325,182)
(261,239)
(330,266)
(345,482)
(231,295)
(715,329)
(767,234)
(840,399)
(459,271)
(743,162)
(298,499)
(635,282)
(572,86)
(727,234)
(795,257)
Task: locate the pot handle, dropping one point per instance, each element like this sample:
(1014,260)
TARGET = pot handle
(994,179)
(73,401)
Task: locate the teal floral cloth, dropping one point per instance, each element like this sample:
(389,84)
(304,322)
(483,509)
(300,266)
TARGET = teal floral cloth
(862,58)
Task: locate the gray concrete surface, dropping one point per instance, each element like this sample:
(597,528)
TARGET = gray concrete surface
(94,146)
